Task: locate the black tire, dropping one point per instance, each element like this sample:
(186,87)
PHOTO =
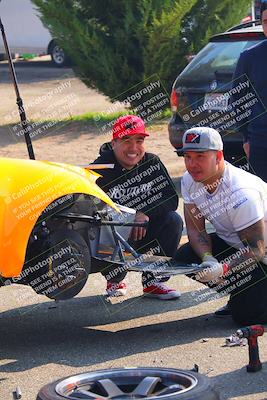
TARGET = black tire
(58,55)
(172,383)
(61,270)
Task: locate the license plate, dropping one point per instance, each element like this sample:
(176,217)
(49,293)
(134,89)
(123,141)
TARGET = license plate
(215,101)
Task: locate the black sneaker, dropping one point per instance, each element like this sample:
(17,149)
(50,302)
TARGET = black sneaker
(224,311)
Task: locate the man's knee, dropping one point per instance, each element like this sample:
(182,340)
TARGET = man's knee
(173,220)
(170,223)
(186,254)
(244,319)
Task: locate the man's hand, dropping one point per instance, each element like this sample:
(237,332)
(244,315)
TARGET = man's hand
(213,269)
(138,232)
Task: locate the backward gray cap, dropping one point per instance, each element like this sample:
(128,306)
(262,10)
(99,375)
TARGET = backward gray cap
(201,139)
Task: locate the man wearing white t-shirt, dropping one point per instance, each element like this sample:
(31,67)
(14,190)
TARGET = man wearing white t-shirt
(235,203)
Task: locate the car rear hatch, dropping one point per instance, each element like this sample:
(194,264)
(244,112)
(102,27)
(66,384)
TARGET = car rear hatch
(199,89)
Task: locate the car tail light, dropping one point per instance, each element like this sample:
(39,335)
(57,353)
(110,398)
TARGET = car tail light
(175,99)
(247,19)
(248,35)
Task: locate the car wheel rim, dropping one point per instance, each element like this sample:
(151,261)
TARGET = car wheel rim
(136,383)
(58,55)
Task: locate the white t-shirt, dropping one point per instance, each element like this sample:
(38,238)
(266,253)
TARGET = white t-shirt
(239,201)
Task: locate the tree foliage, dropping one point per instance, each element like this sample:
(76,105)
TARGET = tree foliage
(209,17)
(116,44)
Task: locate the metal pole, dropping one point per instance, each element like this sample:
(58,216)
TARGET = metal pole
(22,113)
(253,5)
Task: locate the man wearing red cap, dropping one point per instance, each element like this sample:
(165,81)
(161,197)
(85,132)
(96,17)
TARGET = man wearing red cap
(139,180)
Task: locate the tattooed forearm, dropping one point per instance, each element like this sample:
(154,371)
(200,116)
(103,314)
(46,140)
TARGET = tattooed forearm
(253,237)
(203,238)
(253,240)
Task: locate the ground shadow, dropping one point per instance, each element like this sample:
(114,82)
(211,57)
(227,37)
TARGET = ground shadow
(248,384)
(81,334)
(65,131)
(36,71)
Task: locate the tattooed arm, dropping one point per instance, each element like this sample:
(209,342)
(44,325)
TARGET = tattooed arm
(196,231)
(253,240)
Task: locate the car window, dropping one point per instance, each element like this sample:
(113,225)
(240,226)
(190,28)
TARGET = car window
(216,58)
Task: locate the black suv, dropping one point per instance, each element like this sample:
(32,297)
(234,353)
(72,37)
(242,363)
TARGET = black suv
(199,95)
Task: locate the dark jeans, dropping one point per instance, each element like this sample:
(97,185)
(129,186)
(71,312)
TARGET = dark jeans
(258,161)
(163,236)
(247,286)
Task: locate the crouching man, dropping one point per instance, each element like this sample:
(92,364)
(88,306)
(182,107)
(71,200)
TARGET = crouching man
(139,180)
(235,203)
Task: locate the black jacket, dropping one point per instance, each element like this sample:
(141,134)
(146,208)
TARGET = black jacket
(147,187)
(251,67)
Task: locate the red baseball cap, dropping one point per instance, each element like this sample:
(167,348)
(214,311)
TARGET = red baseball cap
(129,125)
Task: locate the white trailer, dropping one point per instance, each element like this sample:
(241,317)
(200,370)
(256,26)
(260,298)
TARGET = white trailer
(25,32)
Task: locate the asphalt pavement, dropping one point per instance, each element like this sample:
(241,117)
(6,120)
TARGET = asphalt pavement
(42,341)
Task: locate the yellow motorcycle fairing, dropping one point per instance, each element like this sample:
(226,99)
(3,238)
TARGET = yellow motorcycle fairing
(27,187)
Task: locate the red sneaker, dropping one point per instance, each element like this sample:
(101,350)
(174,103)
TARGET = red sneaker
(116,289)
(161,291)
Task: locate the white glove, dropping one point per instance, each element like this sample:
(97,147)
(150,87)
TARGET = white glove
(212,269)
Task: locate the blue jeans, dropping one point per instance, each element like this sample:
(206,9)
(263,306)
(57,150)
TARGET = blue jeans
(164,232)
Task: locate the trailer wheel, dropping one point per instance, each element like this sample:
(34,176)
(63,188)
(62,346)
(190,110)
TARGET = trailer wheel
(61,269)
(132,383)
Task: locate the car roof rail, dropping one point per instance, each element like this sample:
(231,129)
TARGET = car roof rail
(248,24)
